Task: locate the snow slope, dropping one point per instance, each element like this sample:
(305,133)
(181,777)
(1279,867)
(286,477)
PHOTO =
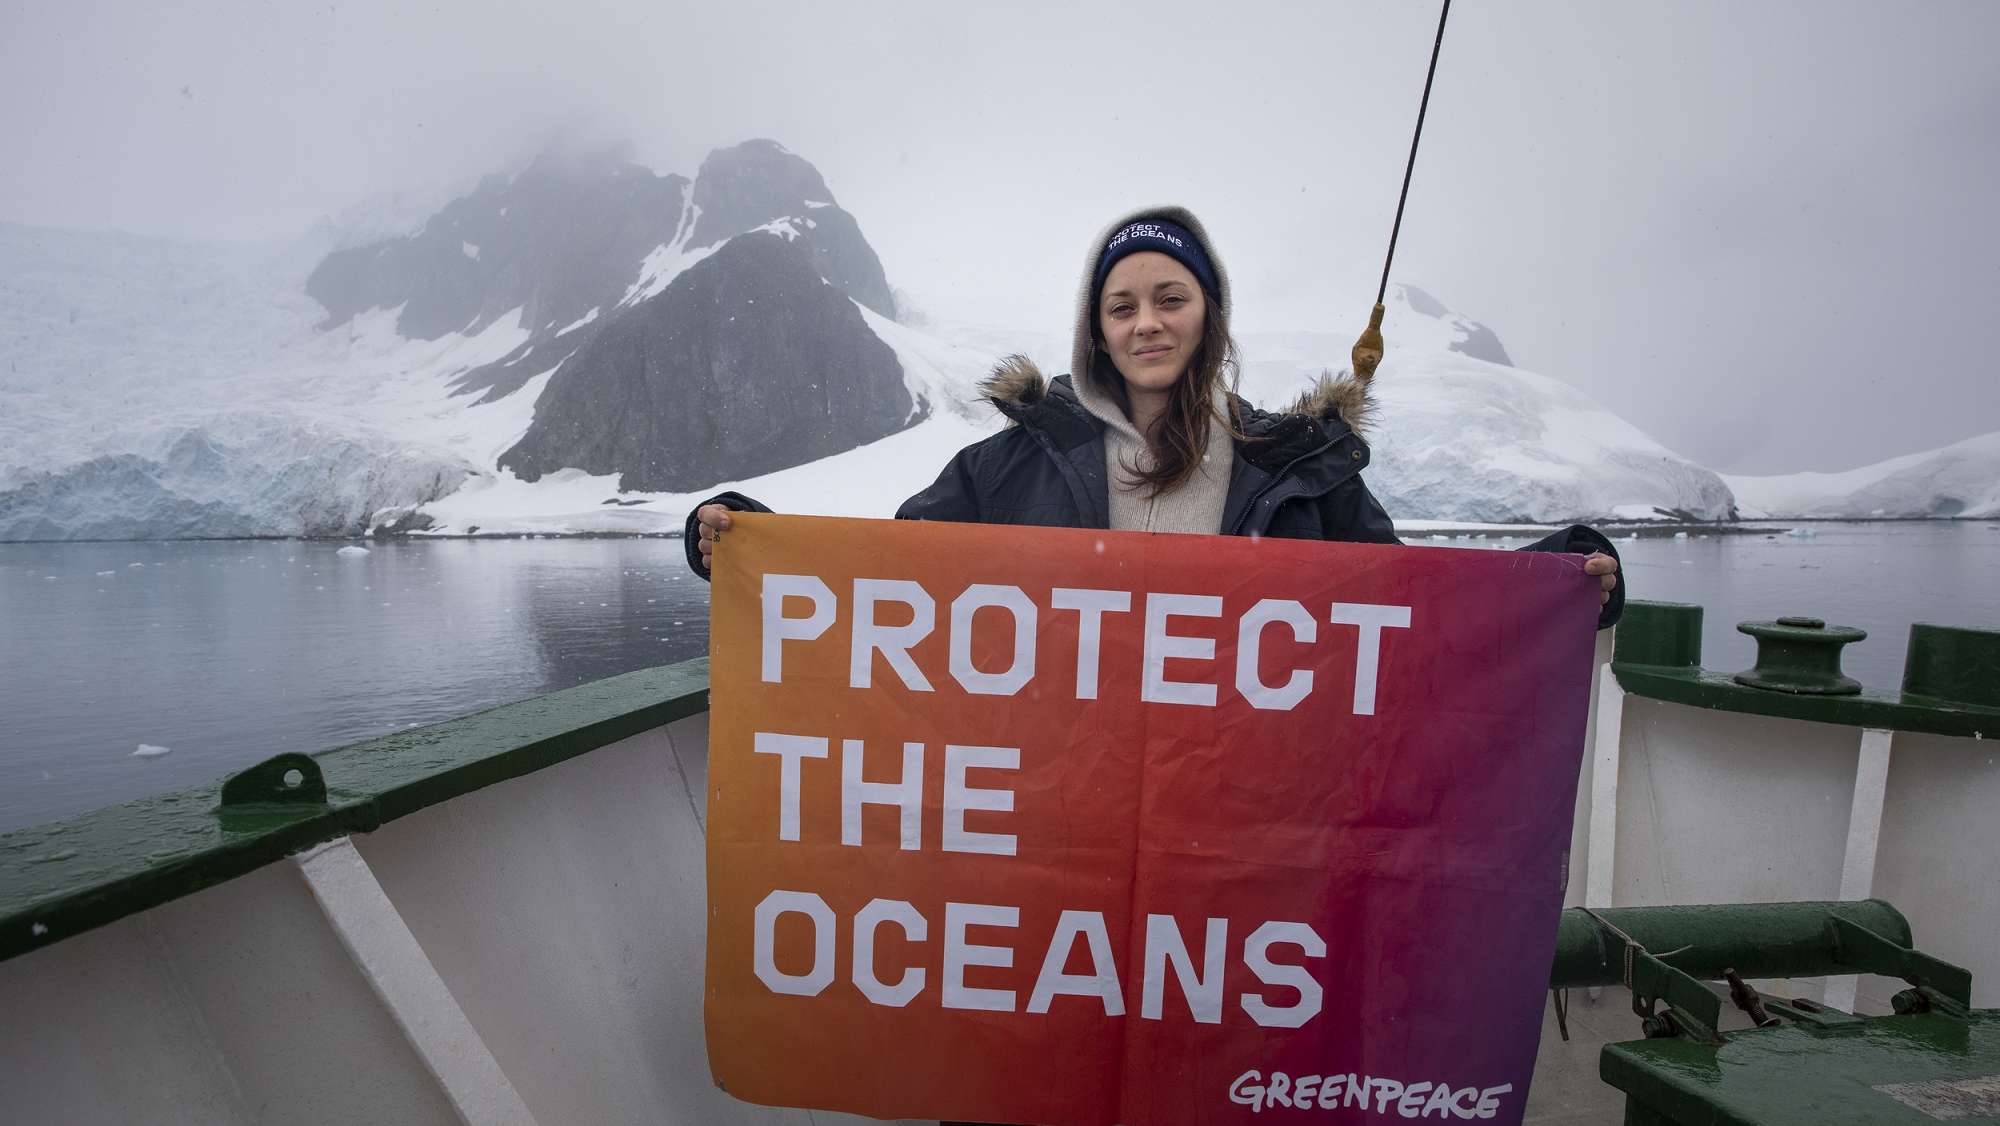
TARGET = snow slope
(1459,438)
(1961,480)
(159,389)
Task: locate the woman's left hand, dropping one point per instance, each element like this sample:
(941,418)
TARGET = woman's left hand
(1606,569)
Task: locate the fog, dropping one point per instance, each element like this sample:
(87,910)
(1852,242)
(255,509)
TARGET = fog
(1761,233)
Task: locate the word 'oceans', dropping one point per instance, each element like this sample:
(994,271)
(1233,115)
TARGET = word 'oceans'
(870,636)
(1165,952)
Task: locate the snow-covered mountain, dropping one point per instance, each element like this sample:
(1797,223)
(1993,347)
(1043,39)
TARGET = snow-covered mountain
(1960,480)
(400,369)
(587,346)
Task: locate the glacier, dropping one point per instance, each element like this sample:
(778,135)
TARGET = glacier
(288,479)
(1961,481)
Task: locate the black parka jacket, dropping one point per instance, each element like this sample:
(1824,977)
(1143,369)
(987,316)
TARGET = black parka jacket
(1297,474)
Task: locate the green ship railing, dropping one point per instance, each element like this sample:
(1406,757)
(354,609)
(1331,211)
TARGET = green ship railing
(66,877)
(1951,677)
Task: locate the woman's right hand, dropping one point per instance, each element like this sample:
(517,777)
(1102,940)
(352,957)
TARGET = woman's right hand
(711,521)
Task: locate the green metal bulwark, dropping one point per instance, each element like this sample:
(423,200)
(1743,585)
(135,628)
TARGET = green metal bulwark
(1951,682)
(1951,665)
(1659,635)
(63,878)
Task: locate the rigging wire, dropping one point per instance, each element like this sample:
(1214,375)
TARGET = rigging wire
(1415,139)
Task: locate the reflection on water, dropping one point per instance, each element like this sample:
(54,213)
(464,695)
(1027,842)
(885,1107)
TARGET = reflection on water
(229,652)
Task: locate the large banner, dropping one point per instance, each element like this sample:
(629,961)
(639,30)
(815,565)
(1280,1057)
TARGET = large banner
(1053,826)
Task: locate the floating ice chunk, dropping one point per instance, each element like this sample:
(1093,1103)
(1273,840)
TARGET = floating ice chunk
(352,551)
(1802,533)
(1680,535)
(469,249)
(149,750)
(105,574)
(135,566)
(38,930)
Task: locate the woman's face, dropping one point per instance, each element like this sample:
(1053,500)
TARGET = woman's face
(1151,316)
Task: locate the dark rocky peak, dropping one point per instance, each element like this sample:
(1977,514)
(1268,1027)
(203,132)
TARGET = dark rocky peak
(748,185)
(758,183)
(564,235)
(748,363)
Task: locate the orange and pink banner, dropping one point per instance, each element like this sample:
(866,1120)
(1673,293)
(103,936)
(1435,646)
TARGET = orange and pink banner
(1081,828)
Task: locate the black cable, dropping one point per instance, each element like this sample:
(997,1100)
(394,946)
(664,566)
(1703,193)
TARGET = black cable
(1383,289)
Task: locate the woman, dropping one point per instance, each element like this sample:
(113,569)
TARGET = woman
(1147,435)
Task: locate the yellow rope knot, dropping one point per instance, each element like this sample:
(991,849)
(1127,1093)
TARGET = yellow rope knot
(1368,350)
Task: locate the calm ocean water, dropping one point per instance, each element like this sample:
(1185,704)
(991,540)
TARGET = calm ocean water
(224,653)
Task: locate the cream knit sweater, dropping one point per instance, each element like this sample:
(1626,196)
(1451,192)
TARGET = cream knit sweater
(1196,506)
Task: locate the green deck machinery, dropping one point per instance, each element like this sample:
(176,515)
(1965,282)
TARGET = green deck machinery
(1934,1059)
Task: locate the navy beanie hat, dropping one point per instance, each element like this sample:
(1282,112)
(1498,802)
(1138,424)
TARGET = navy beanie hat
(1168,238)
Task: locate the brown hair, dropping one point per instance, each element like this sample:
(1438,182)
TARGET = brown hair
(1179,438)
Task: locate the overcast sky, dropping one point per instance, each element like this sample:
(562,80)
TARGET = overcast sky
(1763,232)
